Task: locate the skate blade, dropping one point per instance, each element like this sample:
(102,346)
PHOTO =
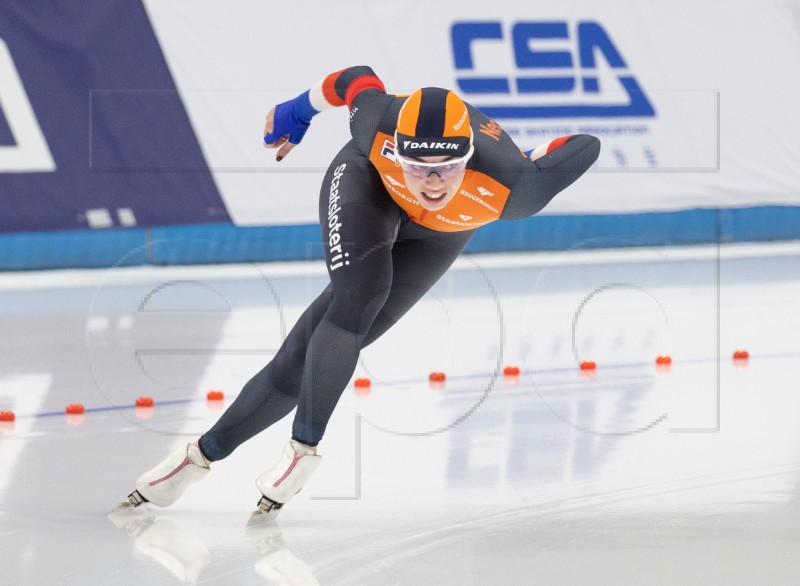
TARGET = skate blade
(122,507)
(259,518)
(134,500)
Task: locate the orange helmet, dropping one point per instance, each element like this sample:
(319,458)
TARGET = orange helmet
(433,122)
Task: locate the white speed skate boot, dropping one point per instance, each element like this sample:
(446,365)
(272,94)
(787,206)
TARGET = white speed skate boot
(166,482)
(284,480)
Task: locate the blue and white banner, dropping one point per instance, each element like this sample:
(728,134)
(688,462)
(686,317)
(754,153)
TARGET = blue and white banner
(118,113)
(691,100)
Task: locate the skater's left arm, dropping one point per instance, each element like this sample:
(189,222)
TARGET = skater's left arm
(547,170)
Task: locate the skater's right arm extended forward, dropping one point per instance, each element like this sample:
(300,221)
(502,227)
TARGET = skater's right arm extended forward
(287,122)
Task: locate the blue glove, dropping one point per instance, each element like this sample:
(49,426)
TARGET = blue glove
(292,118)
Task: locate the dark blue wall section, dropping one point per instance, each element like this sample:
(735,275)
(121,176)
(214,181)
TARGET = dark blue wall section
(114,122)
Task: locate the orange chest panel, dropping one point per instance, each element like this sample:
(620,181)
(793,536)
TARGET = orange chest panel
(479,200)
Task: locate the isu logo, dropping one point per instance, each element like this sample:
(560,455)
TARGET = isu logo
(30,153)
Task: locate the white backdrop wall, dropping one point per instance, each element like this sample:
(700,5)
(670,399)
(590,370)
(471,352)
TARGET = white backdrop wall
(720,79)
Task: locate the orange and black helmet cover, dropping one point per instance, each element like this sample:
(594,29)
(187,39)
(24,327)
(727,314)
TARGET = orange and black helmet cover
(433,122)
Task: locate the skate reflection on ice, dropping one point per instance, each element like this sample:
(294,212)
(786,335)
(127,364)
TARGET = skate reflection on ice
(278,565)
(166,542)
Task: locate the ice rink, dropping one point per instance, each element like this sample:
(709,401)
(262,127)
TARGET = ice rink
(629,474)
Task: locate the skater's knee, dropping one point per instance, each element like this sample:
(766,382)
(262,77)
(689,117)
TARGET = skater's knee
(283,377)
(379,327)
(355,311)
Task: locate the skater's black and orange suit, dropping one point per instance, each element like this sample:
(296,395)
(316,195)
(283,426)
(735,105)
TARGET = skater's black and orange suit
(500,183)
(383,250)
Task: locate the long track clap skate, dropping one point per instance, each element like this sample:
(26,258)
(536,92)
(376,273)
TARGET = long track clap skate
(284,480)
(166,482)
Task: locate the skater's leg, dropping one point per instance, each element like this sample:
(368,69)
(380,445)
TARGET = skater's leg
(416,263)
(413,277)
(417,260)
(261,403)
(271,394)
(360,224)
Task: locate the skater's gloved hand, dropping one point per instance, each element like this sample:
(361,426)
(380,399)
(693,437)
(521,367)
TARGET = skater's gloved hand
(287,123)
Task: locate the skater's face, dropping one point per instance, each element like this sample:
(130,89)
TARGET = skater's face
(433,186)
